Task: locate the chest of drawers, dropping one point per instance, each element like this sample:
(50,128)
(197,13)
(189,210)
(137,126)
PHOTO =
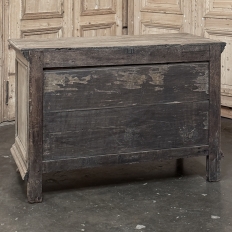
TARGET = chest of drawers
(111,100)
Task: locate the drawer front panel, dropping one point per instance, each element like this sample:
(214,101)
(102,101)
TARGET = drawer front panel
(91,132)
(93,88)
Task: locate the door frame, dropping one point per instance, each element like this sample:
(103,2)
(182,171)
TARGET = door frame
(1,61)
(4,36)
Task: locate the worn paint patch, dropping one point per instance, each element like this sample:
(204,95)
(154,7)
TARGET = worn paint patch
(130,80)
(206,121)
(105,91)
(159,88)
(188,134)
(202,83)
(79,80)
(54,82)
(157,76)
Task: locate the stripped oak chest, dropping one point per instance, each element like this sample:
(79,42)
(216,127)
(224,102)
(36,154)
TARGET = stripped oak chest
(85,102)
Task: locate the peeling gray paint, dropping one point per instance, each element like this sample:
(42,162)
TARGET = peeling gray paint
(130,80)
(202,83)
(188,134)
(157,77)
(56,82)
(206,121)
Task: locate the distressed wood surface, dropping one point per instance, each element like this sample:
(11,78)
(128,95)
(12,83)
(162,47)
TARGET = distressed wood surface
(35,146)
(121,100)
(121,55)
(124,158)
(121,86)
(110,41)
(22,103)
(83,133)
(213,160)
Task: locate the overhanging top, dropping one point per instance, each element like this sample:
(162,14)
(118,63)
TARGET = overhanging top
(110,41)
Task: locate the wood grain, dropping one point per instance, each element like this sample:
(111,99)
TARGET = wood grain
(213,160)
(35,146)
(110,41)
(114,159)
(121,86)
(83,133)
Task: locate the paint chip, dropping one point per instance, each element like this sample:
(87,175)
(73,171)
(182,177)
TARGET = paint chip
(204,195)
(145,184)
(140,227)
(215,217)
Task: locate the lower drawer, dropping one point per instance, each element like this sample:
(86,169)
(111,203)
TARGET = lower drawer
(83,133)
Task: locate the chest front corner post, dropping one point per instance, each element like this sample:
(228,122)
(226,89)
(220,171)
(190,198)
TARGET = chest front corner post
(35,146)
(214,157)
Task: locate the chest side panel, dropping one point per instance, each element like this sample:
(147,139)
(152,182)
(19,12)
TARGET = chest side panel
(99,111)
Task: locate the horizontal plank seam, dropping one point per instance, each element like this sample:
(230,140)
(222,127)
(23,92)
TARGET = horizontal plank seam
(120,65)
(126,106)
(133,153)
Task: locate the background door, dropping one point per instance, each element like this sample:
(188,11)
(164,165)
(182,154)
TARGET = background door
(1,58)
(208,18)
(218,25)
(68,18)
(53,19)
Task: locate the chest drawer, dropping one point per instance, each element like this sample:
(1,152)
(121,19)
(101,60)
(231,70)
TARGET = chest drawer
(118,110)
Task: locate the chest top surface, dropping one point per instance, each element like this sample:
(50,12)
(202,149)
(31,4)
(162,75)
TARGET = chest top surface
(109,42)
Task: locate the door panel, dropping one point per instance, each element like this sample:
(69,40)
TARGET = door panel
(1,60)
(53,19)
(6,89)
(97,18)
(208,18)
(156,16)
(34,19)
(218,24)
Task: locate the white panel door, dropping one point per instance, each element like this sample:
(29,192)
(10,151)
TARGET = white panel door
(97,18)
(218,26)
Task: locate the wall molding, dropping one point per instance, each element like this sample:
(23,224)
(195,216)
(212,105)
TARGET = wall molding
(41,31)
(88,27)
(42,15)
(219,31)
(167,8)
(149,24)
(219,10)
(87,12)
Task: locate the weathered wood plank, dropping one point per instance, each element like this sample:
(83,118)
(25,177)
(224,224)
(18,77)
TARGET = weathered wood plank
(129,55)
(22,104)
(124,158)
(83,133)
(35,145)
(110,41)
(213,160)
(121,86)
